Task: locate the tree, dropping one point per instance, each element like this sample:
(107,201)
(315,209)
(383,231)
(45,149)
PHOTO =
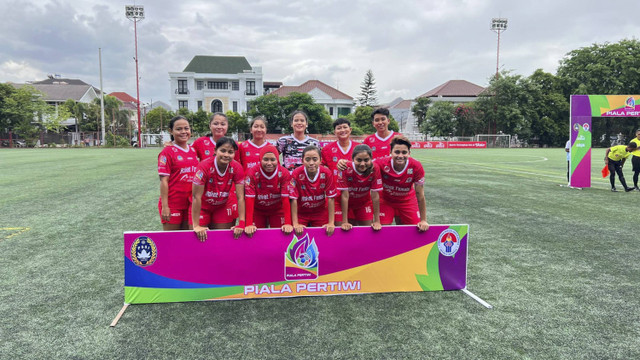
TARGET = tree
(157,120)
(439,119)
(238,122)
(368,90)
(549,108)
(278,109)
(419,110)
(468,120)
(361,120)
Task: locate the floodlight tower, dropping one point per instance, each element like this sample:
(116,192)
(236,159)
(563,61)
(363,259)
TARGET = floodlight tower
(498,25)
(136,13)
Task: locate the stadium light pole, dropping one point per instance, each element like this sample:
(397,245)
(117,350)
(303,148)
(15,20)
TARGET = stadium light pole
(136,13)
(498,25)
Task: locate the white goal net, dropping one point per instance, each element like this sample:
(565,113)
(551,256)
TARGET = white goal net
(495,140)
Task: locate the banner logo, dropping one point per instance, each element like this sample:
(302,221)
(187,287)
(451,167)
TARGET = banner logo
(630,103)
(449,242)
(144,251)
(301,259)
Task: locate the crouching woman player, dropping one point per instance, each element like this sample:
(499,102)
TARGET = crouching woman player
(213,207)
(267,193)
(312,193)
(360,185)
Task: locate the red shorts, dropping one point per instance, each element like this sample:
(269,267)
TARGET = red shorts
(219,215)
(275,218)
(179,213)
(361,213)
(407,211)
(316,219)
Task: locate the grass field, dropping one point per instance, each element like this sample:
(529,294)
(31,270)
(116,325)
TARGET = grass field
(560,266)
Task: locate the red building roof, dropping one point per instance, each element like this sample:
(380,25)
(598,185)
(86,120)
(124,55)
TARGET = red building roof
(124,97)
(308,86)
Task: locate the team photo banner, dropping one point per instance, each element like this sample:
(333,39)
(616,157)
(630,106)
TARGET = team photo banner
(175,266)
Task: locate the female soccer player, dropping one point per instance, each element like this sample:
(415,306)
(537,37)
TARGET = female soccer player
(267,194)
(206,145)
(380,141)
(360,185)
(176,166)
(312,193)
(292,146)
(212,187)
(249,151)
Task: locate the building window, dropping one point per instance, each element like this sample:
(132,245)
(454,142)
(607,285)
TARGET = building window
(344,111)
(235,85)
(235,106)
(251,88)
(217,85)
(182,87)
(199,104)
(248,106)
(216,106)
(199,84)
(331,110)
(183,104)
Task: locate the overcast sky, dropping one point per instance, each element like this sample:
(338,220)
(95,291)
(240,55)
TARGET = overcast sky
(411,46)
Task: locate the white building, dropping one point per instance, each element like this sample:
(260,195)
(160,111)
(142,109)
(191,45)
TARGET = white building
(216,84)
(334,101)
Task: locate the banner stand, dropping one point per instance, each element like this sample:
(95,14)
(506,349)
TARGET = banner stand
(115,321)
(476,298)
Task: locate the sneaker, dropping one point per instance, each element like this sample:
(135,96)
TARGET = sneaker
(629,189)
(613,189)
(636,188)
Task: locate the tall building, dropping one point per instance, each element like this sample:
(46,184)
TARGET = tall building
(216,84)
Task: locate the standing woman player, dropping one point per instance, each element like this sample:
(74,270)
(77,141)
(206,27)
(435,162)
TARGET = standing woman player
(312,193)
(292,146)
(176,166)
(267,194)
(205,146)
(380,141)
(249,151)
(360,185)
(213,207)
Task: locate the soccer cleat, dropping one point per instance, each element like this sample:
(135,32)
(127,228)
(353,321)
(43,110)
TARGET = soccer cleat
(613,189)
(629,189)
(636,188)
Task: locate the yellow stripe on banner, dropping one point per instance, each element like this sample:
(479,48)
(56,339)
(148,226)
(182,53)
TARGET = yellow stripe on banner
(15,231)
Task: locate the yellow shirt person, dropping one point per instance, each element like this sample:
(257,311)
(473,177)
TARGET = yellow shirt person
(615,158)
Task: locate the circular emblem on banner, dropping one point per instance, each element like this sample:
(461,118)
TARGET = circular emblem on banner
(144,251)
(585,126)
(576,126)
(448,242)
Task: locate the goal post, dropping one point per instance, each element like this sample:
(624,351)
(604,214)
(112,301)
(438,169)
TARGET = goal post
(495,140)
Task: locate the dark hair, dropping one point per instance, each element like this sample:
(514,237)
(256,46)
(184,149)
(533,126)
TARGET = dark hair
(361,148)
(399,140)
(218,114)
(633,145)
(340,121)
(310,148)
(173,121)
(259,117)
(226,140)
(382,111)
(637,130)
(306,117)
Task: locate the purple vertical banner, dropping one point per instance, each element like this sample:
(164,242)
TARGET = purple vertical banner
(580,163)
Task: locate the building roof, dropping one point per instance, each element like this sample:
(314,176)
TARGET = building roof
(404,104)
(275,84)
(124,97)
(455,88)
(59,92)
(218,64)
(308,86)
(60,81)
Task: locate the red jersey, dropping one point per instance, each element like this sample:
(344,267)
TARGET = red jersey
(380,147)
(333,152)
(217,185)
(311,193)
(359,185)
(398,186)
(268,190)
(249,154)
(205,147)
(180,166)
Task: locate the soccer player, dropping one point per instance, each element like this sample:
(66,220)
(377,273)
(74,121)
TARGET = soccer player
(212,188)
(379,142)
(249,151)
(360,184)
(206,145)
(635,160)
(335,151)
(312,193)
(267,194)
(292,146)
(614,158)
(176,166)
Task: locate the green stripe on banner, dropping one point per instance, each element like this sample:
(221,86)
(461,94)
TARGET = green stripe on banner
(431,281)
(598,102)
(579,152)
(141,295)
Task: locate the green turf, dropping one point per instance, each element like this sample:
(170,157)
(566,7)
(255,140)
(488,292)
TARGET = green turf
(560,266)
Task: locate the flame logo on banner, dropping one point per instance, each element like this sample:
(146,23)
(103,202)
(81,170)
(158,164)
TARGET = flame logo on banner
(303,252)
(630,103)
